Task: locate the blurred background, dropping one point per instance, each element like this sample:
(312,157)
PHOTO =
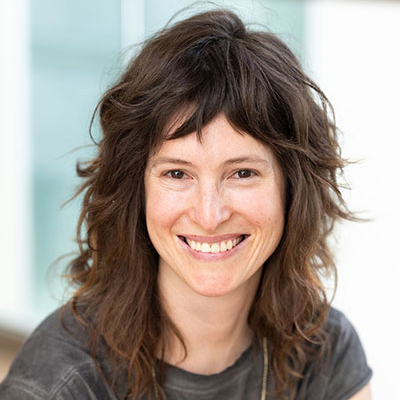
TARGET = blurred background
(57,57)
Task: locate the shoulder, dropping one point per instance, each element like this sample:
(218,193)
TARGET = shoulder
(339,328)
(337,322)
(54,363)
(343,339)
(343,370)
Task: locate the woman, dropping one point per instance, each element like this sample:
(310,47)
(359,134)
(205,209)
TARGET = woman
(203,234)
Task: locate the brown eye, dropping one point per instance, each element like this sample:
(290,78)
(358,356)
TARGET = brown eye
(244,173)
(176,174)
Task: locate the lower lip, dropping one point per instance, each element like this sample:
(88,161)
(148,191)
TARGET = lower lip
(213,256)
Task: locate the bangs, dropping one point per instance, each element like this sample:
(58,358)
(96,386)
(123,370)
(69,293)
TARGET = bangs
(215,76)
(201,90)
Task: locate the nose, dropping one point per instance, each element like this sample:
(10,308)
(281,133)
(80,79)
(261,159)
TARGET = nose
(210,207)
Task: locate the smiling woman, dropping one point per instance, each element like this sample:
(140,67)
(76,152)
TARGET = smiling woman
(203,234)
(216,220)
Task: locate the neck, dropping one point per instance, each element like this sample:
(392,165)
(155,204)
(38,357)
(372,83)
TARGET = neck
(214,329)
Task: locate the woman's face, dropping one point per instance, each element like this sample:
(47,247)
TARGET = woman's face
(214,210)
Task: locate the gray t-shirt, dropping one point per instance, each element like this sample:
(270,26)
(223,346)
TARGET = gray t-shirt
(54,365)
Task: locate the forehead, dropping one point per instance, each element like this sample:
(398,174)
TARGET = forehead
(219,142)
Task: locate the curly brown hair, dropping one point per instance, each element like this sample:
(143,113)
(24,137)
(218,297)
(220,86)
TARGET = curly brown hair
(208,64)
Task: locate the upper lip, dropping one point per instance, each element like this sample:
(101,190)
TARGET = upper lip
(212,239)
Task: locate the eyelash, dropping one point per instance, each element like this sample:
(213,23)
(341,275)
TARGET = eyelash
(252,173)
(169,173)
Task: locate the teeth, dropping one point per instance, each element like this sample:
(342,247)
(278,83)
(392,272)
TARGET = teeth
(205,248)
(213,247)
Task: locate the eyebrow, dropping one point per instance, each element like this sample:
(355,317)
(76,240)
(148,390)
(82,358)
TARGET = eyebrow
(236,160)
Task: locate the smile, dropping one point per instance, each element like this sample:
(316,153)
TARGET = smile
(215,247)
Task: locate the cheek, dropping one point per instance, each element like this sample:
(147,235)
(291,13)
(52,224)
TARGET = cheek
(163,208)
(264,208)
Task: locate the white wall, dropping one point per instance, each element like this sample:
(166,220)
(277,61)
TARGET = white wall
(15,202)
(354,55)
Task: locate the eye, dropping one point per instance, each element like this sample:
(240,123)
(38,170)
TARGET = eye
(175,174)
(244,173)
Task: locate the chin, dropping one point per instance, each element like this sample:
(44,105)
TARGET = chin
(212,287)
